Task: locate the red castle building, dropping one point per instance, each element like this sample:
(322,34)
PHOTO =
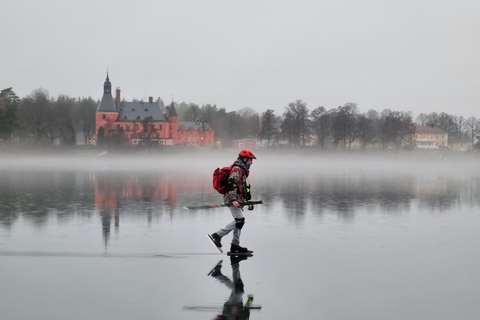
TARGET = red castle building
(141,122)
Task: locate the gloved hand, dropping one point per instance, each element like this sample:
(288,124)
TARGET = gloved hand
(248,197)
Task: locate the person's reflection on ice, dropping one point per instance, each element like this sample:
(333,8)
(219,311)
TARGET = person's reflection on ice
(234,307)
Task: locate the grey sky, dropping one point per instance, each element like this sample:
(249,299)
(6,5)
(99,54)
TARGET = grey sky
(418,56)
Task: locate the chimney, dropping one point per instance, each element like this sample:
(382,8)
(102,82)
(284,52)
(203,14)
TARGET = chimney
(117,97)
(150,99)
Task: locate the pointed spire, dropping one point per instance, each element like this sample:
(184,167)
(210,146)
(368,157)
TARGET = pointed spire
(173,112)
(107,104)
(107,86)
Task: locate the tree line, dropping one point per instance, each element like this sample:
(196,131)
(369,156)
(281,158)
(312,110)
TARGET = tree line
(42,119)
(338,127)
(341,127)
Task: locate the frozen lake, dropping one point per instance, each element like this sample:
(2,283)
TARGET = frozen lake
(109,238)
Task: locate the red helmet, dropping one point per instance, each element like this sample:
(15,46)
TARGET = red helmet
(246,154)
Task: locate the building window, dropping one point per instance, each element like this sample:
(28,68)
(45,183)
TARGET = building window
(128,127)
(160,126)
(104,116)
(136,127)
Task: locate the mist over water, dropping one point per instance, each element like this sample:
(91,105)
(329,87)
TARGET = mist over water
(339,236)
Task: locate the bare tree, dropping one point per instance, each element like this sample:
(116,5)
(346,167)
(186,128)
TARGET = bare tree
(422,119)
(84,119)
(432,119)
(192,112)
(320,124)
(9,103)
(343,126)
(472,128)
(33,114)
(149,133)
(252,121)
(446,122)
(459,126)
(65,111)
(108,135)
(396,127)
(268,129)
(295,125)
(59,121)
(366,127)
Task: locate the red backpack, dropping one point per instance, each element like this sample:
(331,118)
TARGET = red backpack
(220,178)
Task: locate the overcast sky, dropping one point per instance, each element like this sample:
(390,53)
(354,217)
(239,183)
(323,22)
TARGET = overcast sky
(409,55)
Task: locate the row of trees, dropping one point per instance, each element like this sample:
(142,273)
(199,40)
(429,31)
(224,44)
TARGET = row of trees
(41,118)
(340,126)
(228,126)
(337,127)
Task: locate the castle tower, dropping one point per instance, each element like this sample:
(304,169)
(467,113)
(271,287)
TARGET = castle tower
(173,120)
(107,104)
(107,111)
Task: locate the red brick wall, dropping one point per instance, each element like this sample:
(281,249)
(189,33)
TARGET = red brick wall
(169,130)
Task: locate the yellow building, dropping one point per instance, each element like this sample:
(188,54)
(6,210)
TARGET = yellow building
(427,137)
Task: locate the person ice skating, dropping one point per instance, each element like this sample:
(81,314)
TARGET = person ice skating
(238,192)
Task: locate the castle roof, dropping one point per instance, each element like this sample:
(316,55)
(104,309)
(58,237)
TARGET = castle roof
(195,125)
(107,104)
(139,110)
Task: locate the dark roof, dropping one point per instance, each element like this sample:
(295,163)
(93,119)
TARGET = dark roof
(138,111)
(195,125)
(107,104)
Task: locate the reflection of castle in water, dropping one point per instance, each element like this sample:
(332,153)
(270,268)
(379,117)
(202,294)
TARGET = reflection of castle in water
(157,191)
(147,193)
